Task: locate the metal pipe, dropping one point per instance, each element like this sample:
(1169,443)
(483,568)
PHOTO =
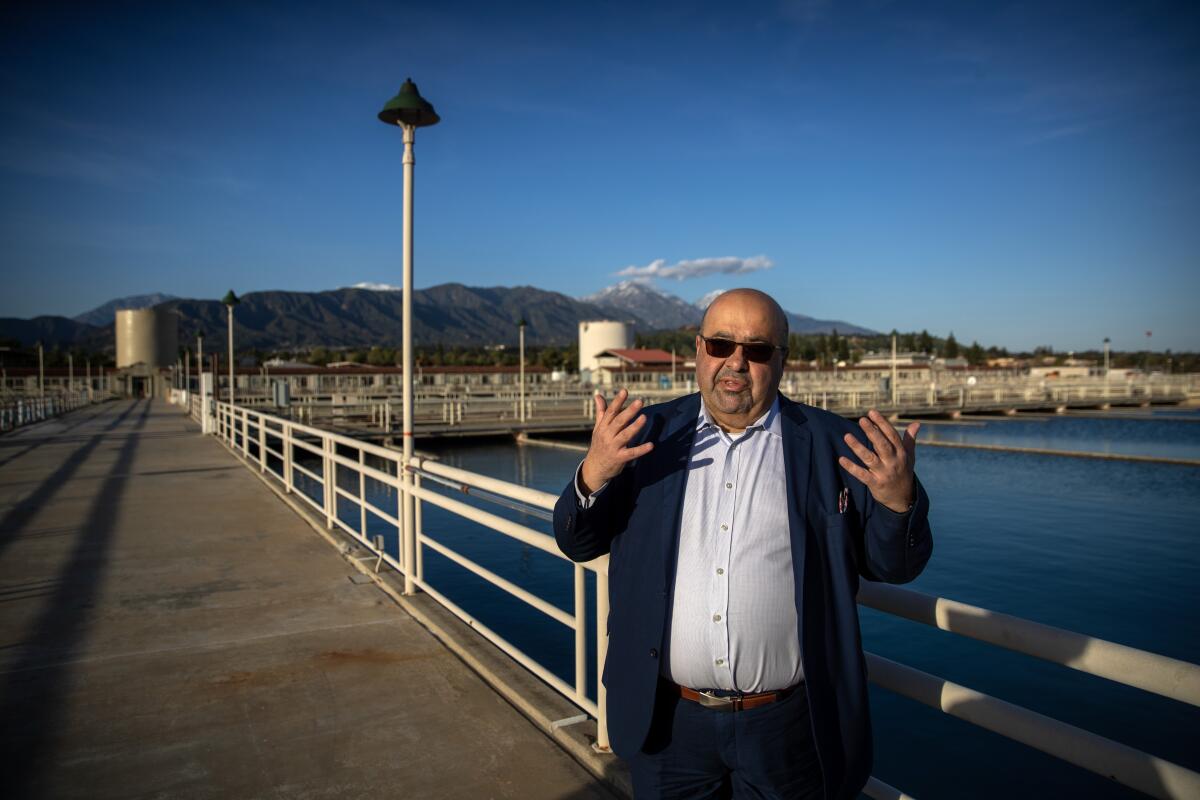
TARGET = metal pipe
(1121,763)
(1177,680)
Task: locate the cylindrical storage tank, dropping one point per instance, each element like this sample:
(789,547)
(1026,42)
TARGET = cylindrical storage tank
(146,336)
(596,336)
(166,330)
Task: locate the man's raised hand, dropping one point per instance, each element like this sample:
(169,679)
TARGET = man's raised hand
(888,471)
(609,452)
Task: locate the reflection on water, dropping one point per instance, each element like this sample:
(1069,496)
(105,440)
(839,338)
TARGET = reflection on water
(1107,548)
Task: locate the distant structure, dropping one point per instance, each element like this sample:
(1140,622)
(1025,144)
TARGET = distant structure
(147,344)
(597,336)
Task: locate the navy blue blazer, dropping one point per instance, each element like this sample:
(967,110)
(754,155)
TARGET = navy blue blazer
(636,520)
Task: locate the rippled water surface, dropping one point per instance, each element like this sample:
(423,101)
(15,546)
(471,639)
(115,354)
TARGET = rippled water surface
(1107,548)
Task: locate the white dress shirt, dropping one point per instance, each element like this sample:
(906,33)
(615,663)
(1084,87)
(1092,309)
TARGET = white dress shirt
(733,614)
(733,618)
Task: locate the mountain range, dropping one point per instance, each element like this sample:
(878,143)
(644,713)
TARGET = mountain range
(451,313)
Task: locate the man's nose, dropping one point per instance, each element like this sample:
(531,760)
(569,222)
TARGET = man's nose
(737,359)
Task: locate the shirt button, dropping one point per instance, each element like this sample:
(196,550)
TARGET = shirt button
(716,617)
(720,662)
(729,486)
(724,527)
(720,571)
(653,653)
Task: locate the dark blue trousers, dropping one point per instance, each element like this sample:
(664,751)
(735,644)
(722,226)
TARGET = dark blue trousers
(694,752)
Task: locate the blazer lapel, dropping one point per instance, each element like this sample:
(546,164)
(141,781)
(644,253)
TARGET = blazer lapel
(797,463)
(672,450)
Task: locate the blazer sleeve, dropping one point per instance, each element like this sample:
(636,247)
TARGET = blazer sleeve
(896,547)
(586,533)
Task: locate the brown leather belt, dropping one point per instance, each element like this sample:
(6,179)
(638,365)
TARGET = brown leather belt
(743,702)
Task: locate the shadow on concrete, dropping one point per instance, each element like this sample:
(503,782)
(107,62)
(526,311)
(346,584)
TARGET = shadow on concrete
(19,516)
(36,687)
(36,443)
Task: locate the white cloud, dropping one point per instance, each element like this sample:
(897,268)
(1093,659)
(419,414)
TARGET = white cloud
(698,268)
(706,300)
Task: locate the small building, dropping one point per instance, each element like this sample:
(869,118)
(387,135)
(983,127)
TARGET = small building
(625,366)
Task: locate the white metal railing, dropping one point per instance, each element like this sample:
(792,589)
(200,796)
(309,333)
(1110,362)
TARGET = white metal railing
(271,443)
(258,437)
(18,411)
(380,409)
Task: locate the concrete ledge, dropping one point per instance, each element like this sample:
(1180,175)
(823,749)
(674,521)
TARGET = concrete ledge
(536,701)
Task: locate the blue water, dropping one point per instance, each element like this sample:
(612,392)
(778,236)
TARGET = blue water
(1170,434)
(1107,548)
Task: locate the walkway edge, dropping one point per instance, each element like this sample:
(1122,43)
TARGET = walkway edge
(576,739)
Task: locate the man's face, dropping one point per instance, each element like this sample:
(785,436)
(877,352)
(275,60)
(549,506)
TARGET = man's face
(738,391)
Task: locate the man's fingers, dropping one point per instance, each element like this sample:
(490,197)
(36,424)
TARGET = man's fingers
(910,441)
(883,447)
(614,407)
(886,428)
(629,431)
(630,453)
(861,450)
(863,475)
(622,419)
(601,405)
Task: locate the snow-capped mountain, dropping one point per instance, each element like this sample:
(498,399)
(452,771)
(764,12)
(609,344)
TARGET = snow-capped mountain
(375,287)
(652,306)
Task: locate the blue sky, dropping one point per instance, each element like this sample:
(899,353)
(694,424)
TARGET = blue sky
(1017,173)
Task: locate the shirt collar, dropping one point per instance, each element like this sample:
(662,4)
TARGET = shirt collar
(768,421)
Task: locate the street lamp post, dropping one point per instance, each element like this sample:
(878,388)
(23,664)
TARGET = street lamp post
(521,336)
(41,372)
(70,372)
(410,111)
(1106,343)
(229,301)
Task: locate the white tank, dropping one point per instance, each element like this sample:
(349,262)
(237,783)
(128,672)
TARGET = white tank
(596,336)
(146,336)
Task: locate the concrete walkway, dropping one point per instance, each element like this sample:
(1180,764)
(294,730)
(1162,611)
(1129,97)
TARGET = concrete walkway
(168,628)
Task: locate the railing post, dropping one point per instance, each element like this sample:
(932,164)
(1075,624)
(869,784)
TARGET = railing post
(602,745)
(362,494)
(287,456)
(420,531)
(580,635)
(262,444)
(329,473)
(407,530)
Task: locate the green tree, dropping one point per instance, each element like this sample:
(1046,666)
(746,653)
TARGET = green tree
(975,355)
(951,349)
(924,342)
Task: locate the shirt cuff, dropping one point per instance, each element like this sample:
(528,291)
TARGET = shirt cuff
(585,501)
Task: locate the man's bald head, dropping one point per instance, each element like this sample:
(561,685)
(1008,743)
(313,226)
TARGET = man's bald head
(753,297)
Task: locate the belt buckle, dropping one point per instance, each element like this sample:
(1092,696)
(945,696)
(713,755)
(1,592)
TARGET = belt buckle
(710,700)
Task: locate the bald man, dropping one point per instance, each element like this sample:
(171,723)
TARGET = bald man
(738,525)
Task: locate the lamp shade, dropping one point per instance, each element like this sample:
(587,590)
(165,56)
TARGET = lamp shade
(409,108)
(230,299)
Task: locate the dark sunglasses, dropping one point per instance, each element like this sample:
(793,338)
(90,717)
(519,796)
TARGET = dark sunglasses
(758,352)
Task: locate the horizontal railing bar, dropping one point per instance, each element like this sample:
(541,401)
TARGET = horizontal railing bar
(304,496)
(1169,677)
(491,497)
(549,609)
(303,445)
(1125,765)
(557,683)
(533,497)
(344,493)
(878,790)
(305,471)
(372,473)
(541,541)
